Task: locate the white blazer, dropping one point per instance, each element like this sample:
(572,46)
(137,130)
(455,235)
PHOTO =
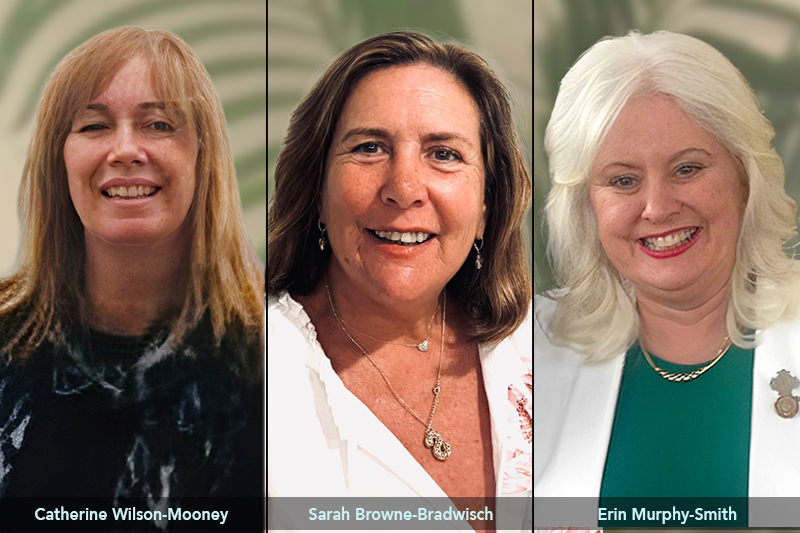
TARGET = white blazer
(574,404)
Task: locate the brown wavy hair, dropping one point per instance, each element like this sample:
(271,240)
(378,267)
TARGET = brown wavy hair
(495,298)
(225,276)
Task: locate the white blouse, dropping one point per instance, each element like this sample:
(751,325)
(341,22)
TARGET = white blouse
(322,441)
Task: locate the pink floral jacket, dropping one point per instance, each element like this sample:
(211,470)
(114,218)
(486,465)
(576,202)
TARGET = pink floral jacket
(517,477)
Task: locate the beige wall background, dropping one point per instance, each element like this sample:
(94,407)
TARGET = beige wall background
(305,36)
(229,36)
(760,37)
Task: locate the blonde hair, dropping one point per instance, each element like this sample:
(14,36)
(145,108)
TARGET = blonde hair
(225,274)
(596,311)
(495,298)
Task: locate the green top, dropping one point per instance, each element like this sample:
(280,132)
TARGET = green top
(681,439)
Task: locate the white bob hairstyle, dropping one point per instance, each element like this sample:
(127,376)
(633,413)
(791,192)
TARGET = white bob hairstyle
(596,308)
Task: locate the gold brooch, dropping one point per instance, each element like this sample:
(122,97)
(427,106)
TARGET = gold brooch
(786,404)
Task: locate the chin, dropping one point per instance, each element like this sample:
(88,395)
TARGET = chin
(400,292)
(402,287)
(133,236)
(670,284)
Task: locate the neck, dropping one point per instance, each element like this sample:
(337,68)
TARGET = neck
(388,320)
(684,334)
(128,288)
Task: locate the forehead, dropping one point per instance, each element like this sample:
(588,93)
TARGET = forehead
(418,97)
(649,126)
(132,80)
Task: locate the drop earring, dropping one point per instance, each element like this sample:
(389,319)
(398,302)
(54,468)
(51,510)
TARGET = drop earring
(478,258)
(321,235)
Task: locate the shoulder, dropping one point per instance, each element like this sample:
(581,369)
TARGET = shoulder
(11,324)
(521,339)
(544,305)
(550,359)
(290,332)
(782,337)
(284,314)
(543,308)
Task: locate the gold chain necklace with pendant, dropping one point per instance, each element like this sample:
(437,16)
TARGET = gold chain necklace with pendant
(439,447)
(422,346)
(685,377)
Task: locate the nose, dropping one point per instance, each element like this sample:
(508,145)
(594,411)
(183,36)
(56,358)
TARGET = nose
(126,149)
(661,201)
(404,184)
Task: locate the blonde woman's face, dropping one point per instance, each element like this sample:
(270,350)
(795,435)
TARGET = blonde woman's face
(131,163)
(668,199)
(403,192)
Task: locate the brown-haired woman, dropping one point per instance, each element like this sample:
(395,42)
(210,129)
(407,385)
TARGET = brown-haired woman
(399,311)
(132,333)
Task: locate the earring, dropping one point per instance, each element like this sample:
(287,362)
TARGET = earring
(321,235)
(478,258)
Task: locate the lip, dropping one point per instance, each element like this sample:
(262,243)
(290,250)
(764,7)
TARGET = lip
(125,203)
(398,250)
(129,182)
(674,252)
(670,232)
(406,230)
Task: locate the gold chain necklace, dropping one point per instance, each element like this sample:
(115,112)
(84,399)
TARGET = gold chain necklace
(421,346)
(439,447)
(685,377)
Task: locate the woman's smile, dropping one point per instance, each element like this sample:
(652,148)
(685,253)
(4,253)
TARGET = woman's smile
(131,162)
(131,193)
(400,245)
(665,189)
(402,199)
(671,244)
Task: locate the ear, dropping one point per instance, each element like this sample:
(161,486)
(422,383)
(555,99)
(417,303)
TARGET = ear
(320,205)
(481,224)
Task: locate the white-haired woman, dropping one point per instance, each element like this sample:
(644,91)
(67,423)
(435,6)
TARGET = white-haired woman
(665,361)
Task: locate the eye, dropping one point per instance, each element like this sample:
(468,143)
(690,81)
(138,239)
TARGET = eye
(624,182)
(162,126)
(91,127)
(688,170)
(446,155)
(368,148)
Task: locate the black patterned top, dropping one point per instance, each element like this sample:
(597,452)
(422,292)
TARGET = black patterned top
(95,415)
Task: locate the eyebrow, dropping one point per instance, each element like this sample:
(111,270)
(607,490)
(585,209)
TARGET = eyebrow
(381,133)
(690,150)
(144,105)
(365,132)
(677,155)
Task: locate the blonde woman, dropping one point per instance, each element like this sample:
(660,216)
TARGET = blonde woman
(132,333)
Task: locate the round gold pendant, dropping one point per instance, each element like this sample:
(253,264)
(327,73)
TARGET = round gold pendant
(439,448)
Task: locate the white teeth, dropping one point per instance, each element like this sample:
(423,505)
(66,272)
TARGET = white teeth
(670,241)
(134,191)
(407,238)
